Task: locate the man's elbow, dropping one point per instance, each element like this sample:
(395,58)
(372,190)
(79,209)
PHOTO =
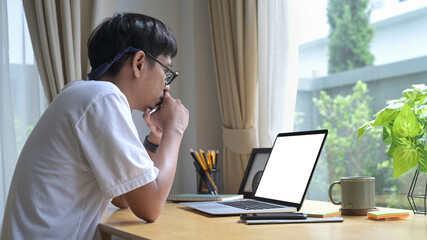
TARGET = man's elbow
(148,212)
(149,216)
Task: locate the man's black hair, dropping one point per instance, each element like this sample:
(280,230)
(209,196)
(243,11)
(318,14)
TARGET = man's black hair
(129,29)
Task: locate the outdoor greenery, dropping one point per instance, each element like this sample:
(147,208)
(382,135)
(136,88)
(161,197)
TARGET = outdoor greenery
(344,155)
(342,115)
(350,35)
(404,128)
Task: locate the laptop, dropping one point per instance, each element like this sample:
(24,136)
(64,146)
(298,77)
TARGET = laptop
(284,181)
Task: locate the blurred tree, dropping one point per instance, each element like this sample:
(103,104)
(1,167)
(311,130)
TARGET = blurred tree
(350,35)
(343,115)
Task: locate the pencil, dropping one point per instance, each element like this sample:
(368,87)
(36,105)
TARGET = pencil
(202,154)
(213,158)
(200,160)
(203,176)
(196,161)
(210,179)
(216,157)
(208,165)
(203,168)
(199,169)
(206,168)
(210,160)
(194,157)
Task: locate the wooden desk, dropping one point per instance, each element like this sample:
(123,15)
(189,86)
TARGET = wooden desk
(178,222)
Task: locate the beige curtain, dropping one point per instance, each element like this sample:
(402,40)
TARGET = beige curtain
(59,31)
(234,38)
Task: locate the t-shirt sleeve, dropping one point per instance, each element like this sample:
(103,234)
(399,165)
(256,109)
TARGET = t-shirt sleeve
(109,141)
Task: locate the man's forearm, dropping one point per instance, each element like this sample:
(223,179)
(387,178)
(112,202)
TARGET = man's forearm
(166,159)
(147,201)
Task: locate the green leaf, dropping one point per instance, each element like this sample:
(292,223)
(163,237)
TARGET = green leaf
(404,158)
(423,98)
(391,149)
(422,165)
(385,116)
(387,136)
(393,146)
(362,129)
(410,93)
(422,88)
(406,123)
(397,142)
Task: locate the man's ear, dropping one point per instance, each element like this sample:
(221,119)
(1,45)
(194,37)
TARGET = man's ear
(138,63)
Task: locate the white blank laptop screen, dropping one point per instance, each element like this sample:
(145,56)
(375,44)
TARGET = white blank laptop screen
(290,164)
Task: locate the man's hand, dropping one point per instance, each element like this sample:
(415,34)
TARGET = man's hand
(156,132)
(172,115)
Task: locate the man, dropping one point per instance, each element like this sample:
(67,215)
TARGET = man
(85,149)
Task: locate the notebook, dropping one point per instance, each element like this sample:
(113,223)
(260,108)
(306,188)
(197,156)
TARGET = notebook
(284,181)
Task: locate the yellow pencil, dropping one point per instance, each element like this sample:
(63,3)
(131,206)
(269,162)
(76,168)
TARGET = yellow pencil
(206,173)
(209,160)
(207,170)
(213,158)
(200,161)
(202,154)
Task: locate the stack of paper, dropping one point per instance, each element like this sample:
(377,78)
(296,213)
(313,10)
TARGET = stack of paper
(388,215)
(324,214)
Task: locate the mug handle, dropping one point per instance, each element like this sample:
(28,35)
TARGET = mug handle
(330,193)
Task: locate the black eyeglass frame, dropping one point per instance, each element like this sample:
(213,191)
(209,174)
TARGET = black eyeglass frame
(99,71)
(168,79)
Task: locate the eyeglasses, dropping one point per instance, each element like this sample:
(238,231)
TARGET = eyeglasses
(97,72)
(170,74)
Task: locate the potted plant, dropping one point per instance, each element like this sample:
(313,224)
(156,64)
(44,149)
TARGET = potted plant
(404,128)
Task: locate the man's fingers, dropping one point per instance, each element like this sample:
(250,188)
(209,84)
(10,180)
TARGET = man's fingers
(146,114)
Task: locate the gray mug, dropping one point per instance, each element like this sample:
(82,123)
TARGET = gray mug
(357,194)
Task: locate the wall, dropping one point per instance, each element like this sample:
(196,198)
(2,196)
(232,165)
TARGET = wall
(195,86)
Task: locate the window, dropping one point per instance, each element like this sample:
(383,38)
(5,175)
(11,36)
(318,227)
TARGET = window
(28,97)
(342,101)
(23,99)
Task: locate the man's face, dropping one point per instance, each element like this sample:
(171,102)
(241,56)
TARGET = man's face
(153,82)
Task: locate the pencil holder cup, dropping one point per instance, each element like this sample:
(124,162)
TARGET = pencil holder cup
(207,181)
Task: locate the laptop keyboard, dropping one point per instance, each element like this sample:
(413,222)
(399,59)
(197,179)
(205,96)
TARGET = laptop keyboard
(249,204)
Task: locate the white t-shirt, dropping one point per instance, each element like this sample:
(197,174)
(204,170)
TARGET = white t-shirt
(84,151)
